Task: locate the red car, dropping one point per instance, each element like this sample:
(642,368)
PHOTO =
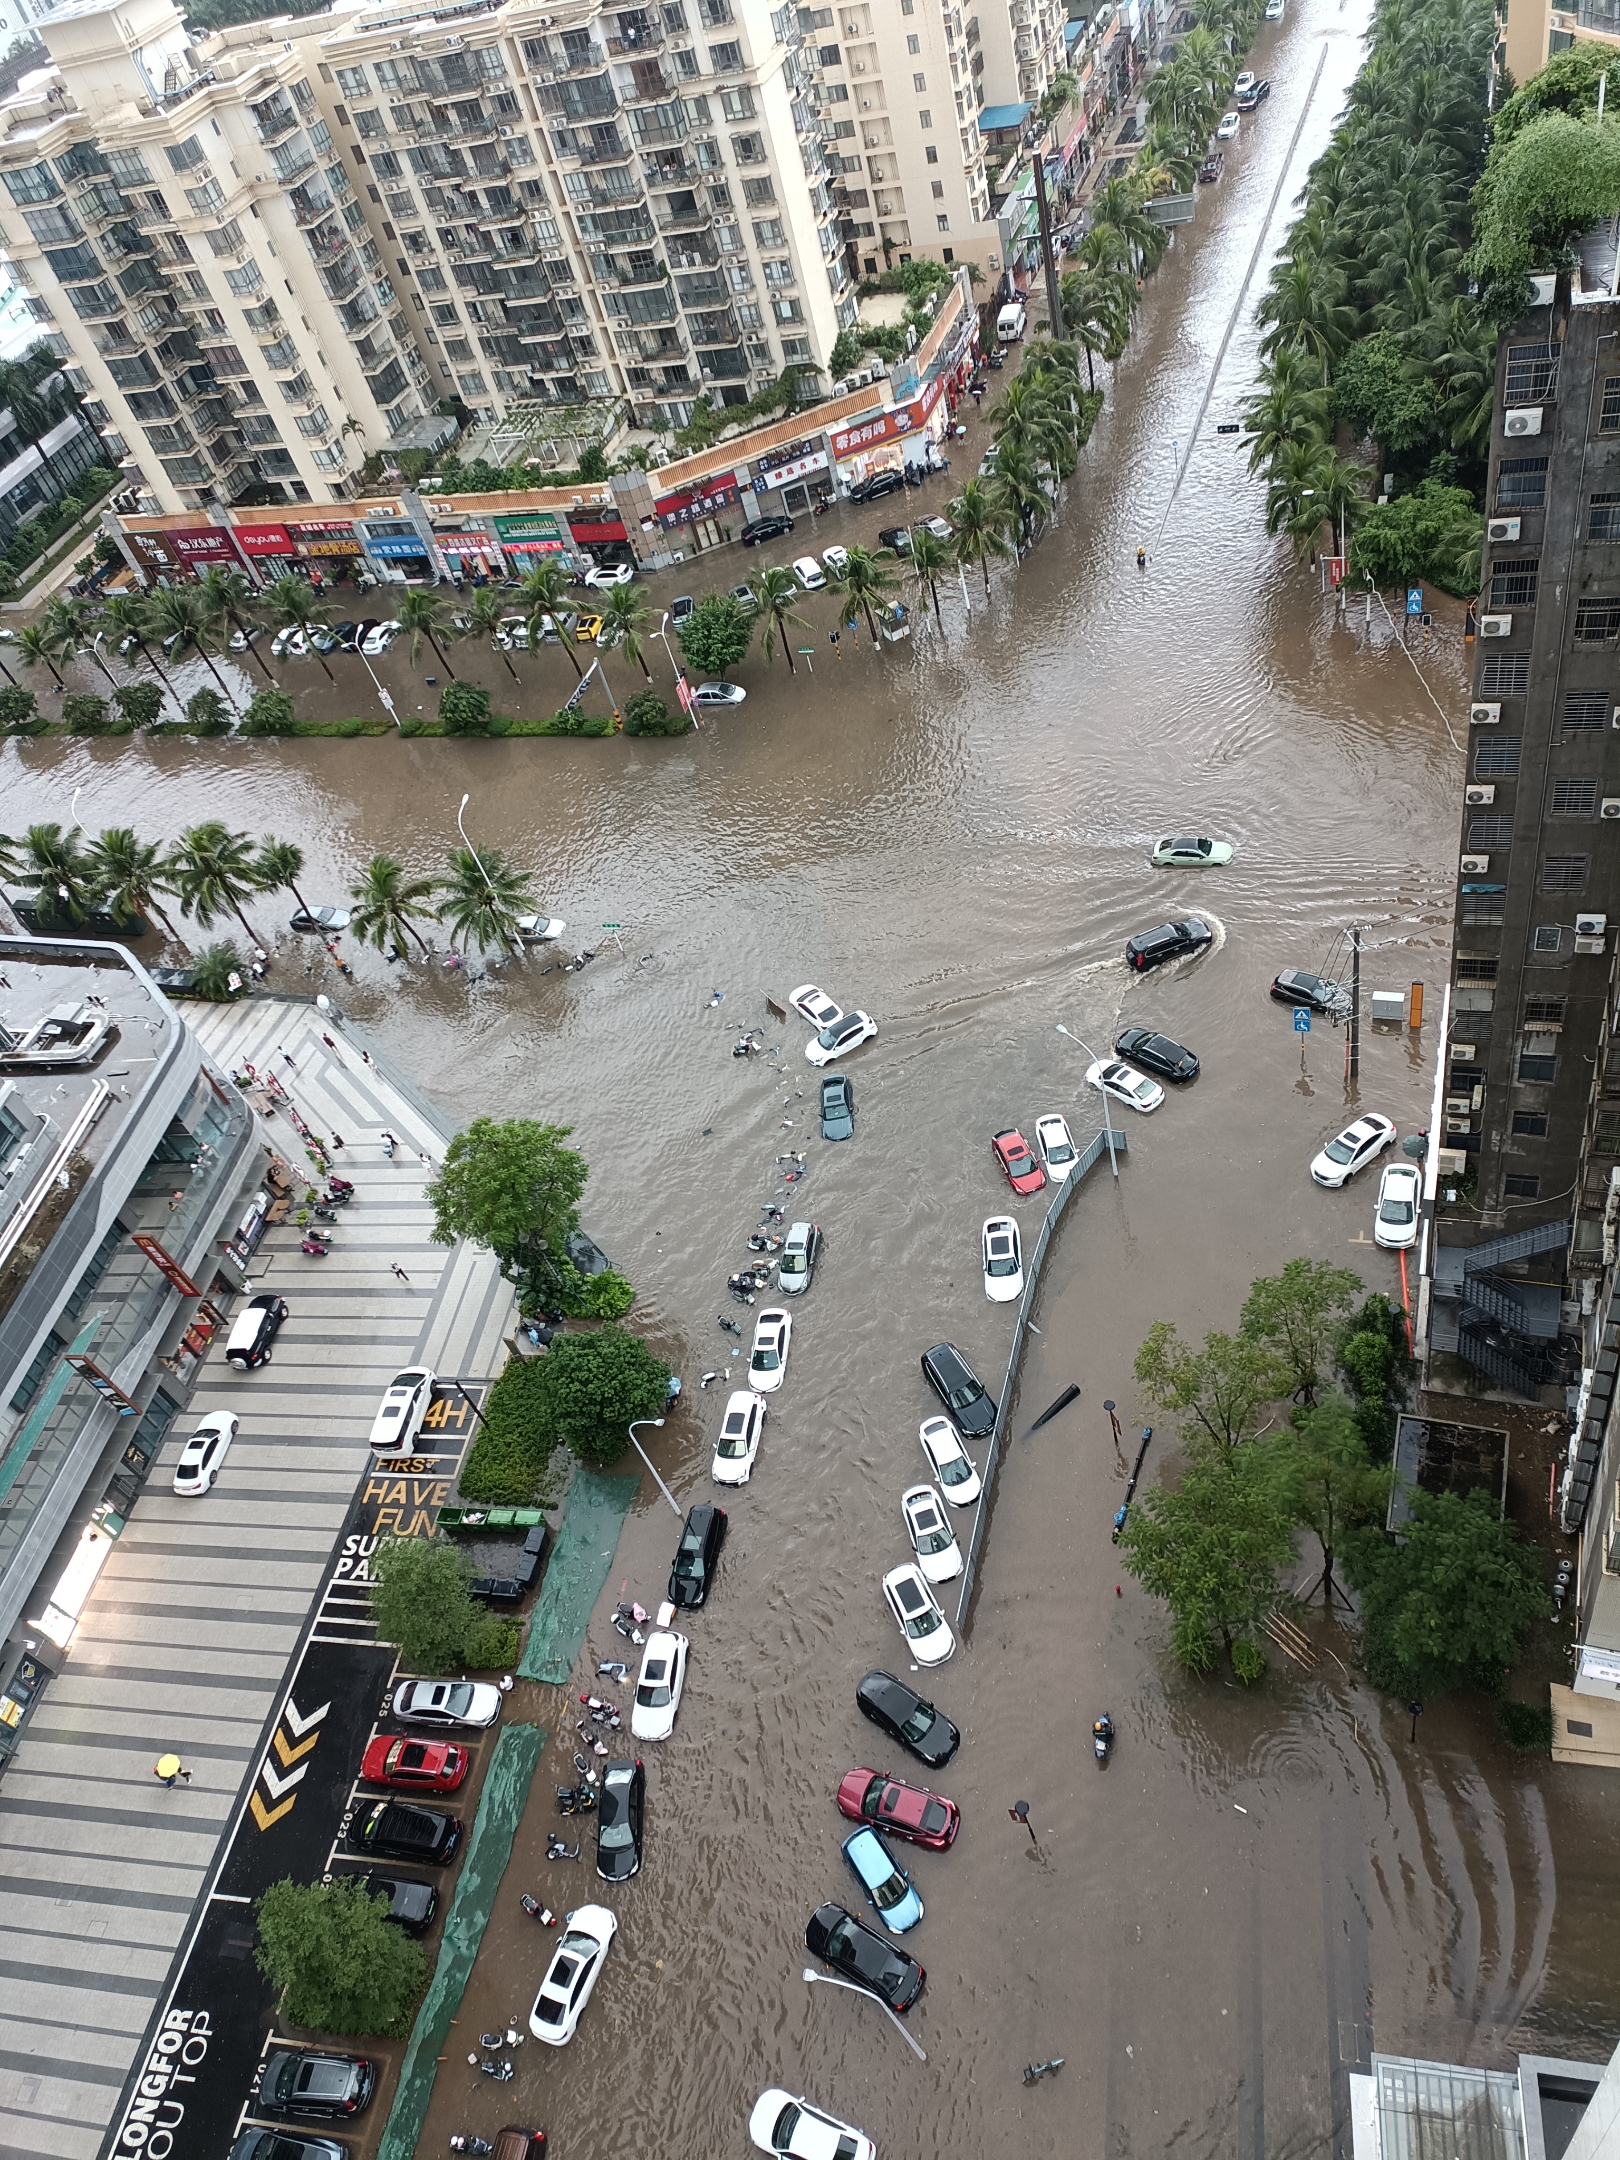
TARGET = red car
(424,1765)
(1024,1173)
(910,1811)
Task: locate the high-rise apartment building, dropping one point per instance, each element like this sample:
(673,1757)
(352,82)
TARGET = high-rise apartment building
(1529,1057)
(190,230)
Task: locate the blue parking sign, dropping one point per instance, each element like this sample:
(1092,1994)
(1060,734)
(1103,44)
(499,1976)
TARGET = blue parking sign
(1302,1020)
(1414,599)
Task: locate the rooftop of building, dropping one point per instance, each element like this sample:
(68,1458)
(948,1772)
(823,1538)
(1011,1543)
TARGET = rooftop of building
(70,1114)
(996,117)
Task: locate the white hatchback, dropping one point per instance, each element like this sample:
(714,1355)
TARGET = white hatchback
(203,1453)
(836,559)
(917,1614)
(1058,1151)
(1003,1260)
(1227,131)
(799,2131)
(810,574)
(658,1688)
(572,1973)
(401,1411)
(949,1460)
(1400,1196)
(812,1003)
(767,1361)
(738,1444)
(932,1538)
(1114,1077)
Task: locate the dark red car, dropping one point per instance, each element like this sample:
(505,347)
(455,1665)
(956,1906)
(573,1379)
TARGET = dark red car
(423,1765)
(910,1811)
(1024,1173)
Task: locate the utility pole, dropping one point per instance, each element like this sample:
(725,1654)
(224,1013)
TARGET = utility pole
(1053,298)
(1353,1037)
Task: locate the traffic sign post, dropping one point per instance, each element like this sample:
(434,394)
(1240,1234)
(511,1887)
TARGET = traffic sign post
(1302,1020)
(1414,599)
(807,653)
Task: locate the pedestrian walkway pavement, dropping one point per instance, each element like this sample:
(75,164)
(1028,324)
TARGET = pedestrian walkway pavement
(189,1635)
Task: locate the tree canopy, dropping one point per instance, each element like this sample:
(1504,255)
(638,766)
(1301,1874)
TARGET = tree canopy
(1324,1479)
(1447,1599)
(717,634)
(510,1185)
(341,1963)
(1223,1388)
(1212,1548)
(1551,181)
(592,1386)
(422,1604)
(1300,1315)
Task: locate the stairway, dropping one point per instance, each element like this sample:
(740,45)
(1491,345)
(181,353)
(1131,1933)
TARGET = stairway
(1528,1311)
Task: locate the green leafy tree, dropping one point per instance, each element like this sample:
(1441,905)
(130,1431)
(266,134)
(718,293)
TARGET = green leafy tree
(270,712)
(716,635)
(129,874)
(67,625)
(1300,1316)
(1324,1478)
(1551,181)
(388,903)
(213,969)
(464,709)
(338,1960)
(421,1601)
(205,710)
(1435,533)
(19,711)
(1382,390)
(1219,1391)
(506,1464)
(594,1385)
(1212,1549)
(34,649)
(482,897)
(59,872)
(510,1185)
(140,703)
(85,715)
(778,591)
(647,714)
(278,867)
(1446,1602)
(1376,1361)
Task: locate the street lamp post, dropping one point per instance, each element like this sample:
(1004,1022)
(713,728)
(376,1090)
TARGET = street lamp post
(1108,1130)
(829,1980)
(662,635)
(647,1459)
(489,887)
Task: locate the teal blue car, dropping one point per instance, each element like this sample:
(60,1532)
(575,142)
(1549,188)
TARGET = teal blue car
(884,1883)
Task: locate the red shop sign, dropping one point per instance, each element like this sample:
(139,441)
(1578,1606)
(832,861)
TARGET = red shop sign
(884,427)
(583,529)
(717,492)
(264,540)
(209,545)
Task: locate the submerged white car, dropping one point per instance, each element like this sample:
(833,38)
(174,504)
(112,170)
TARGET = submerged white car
(1114,1077)
(1058,1151)
(572,1973)
(843,1035)
(767,1361)
(740,1428)
(799,2131)
(810,574)
(813,1004)
(1003,1260)
(932,1538)
(917,1614)
(1400,1196)
(203,1453)
(401,1411)
(659,1685)
(949,1460)
(1352,1149)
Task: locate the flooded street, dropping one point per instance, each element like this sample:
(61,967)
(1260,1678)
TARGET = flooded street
(954,835)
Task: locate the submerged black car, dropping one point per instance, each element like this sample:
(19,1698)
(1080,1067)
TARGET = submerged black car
(411,1904)
(1172,1061)
(960,1389)
(692,1576)
(908,1717)
(1294,987)
(1151,948)
(620,1812)
(855,1951)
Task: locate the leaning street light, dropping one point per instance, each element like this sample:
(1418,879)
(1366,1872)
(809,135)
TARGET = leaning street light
(517,943)
(1108,1130)
(647,1459)
(829,1980)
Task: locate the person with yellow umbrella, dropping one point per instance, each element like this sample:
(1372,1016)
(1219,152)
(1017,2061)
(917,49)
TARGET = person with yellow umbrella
(167,1768)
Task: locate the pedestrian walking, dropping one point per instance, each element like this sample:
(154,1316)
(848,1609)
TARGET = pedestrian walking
(366,1056)
(167,1770)
(399,1271)
(330,1044)
(287,1054)
(175,1200)
(1141,558)
(337,1140)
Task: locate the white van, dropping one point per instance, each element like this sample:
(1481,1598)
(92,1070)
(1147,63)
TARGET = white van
(1010,322)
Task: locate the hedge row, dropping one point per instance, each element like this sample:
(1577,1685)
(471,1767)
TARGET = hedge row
(506,1463)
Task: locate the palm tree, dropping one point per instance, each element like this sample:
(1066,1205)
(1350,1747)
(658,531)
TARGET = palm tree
(129,875)
(1306,309)
(66,623)
(125,617)
(1019,485)
(34,649)
(542,594)
(1119,203)
(278,867)
(421,613)
(228,596)
(930,555)
(1097,312)
(180,619)
(624,619)
(212,871)
(484,620)
(54,866)
(777,589)
(11,860)
(386,900)
(483,899)
(213,968)
(1164,164)
(980,523)
(1293,408)
(294,606)
(860,580)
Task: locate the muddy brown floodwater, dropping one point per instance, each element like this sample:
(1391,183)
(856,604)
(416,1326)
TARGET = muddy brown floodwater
(955,835)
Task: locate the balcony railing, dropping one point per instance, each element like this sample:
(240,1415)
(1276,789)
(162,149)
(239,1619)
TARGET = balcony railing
(650,136)
(644,38)
(559,61)
(697,219)
(273,122)
(295,169)
(309,209)
(112,348)
(615,152)
(652,85)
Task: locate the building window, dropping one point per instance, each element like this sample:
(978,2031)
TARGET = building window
(1548,937)
(919,82)
(1563,873)
(1544,1012)
(925,118)
(1513,584)
(352,82)
(1476,967)
(1609,410)
(1521,483)
(1530,1124)
(1597,622)
(1535,1065)
(1532,374)
(1586,712)
(937,189)
(1519,1187)
(930,154)
(943,223)
(1573,798)
(1505,675)
(183,156)
(1603,518)
(1481,910)
(1606,1135)
(1490,832)
(913,44)
(1497,756)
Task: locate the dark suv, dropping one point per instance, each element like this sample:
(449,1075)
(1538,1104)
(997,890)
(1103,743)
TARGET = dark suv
(875,486)
(399,1830)
(764,528)
(692,1576)
(253,1331)
(960,1389)
(302,2081)
(1169,942)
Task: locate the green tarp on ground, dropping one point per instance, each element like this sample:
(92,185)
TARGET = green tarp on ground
(500,1806)
(587,1539)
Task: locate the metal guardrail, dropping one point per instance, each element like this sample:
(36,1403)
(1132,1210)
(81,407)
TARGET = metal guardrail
(1088,1158)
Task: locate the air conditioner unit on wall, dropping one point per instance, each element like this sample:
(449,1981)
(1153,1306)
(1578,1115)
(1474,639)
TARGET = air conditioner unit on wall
(1610,806)
(1496,626)
(1591,925)
(1522,420)
(1490,715)
(1475,865)
(1479,795)
(1502,529)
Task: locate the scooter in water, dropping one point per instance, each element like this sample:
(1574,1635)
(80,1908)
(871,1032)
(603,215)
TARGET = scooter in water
(1034,2072)
(465,2142)
(1102,1739)
(501,2072)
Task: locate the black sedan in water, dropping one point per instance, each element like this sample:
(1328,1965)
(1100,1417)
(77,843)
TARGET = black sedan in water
(1157,1054)
(859,1955)
(908,1717)
(960,1389)
(1314,992)
(692,1576)
(620,1812)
